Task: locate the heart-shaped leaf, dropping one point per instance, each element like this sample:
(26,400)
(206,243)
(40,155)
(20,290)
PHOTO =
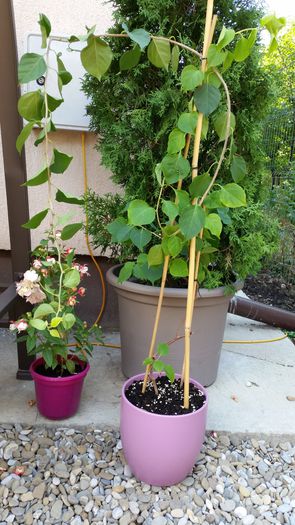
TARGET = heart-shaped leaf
(96,57)
(159,53)
(207,98)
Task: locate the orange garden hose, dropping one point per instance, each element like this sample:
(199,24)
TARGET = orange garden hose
(103,287)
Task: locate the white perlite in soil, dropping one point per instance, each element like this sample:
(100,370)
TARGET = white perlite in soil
(80,477)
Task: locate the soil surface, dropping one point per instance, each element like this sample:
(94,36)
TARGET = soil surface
(169,401)
(49,372)
(274,291)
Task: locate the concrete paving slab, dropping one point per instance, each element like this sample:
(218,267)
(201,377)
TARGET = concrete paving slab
(233,406)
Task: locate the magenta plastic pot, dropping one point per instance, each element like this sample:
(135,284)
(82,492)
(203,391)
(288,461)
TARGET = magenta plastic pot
(57,397)
(161,450)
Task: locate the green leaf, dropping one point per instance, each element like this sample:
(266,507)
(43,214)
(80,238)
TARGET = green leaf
(119,230)
(176,141)
(169,371)
(273,24)
(140,213)
(24,134)
(43,310)
(55,321)
(229,58)
(64,76)
(36,220)
(54,333)
(39,324)
(170,209)
(205,127)
(71,278)
(70,230)
(49,127)
(70,366)
(130,59)
(199,185)
(147,273)
(140,237)
(60,161)
(174,245)
(69,199)
(139,36)
(158,365)
(213,200)
(215,57)
(182,199)
(187,122)
(238,168)
(207,98)
(175,168)
(226,36)
(252,37)
(175,58)
(96,57)
(45,27)
(192,221)
(30,106)
(219,123)
(242,50)
(213,224)
(48,356)
(155,255)
(38,179)
(148,361)
(159,53)
(126,271)
(30,344)
(162,349)
(158,173)
(224,215)
(178,268)
(31,67)
(68,320)
(53,103)
(233,196)
(191,77)
(83,38)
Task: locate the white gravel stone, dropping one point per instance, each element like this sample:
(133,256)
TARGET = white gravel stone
(117,513)
(177,513)
(240,512)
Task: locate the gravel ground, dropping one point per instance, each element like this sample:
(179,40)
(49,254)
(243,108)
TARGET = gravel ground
(79,476)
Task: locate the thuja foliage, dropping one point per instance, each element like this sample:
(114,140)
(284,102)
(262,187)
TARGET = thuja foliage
(134,110)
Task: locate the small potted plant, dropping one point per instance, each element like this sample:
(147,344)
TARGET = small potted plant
(52,285)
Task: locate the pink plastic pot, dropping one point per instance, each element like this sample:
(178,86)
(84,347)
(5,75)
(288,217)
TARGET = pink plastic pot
(57,397)
(161,450)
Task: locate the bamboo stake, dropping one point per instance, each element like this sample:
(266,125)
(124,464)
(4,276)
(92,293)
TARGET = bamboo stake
(209,29)
(161,294)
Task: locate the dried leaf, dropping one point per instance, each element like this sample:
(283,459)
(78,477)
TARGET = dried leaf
(234,398)
(291,398)
(32,402)
(19,470)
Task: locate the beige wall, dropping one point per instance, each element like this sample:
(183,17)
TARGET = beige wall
(67,17)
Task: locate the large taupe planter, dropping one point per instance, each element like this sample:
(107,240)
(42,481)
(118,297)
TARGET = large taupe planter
(137,310)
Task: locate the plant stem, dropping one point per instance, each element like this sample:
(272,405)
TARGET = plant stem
(209,30)
(161,294)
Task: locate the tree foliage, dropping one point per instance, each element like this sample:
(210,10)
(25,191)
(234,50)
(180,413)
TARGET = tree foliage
(134,111)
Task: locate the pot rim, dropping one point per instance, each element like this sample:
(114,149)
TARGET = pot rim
(147,289)
(132,379)
(72,378)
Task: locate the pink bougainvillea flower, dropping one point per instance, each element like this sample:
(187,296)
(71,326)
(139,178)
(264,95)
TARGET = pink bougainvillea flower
(71,301)
(69,250)
(31,275)
(81,291)
(20,325)
(84,270)
(37,296)
(51,260)
(37,264)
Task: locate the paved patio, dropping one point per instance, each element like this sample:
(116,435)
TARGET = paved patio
(249,396)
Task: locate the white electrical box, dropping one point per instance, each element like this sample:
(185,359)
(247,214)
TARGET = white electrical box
(71,114)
